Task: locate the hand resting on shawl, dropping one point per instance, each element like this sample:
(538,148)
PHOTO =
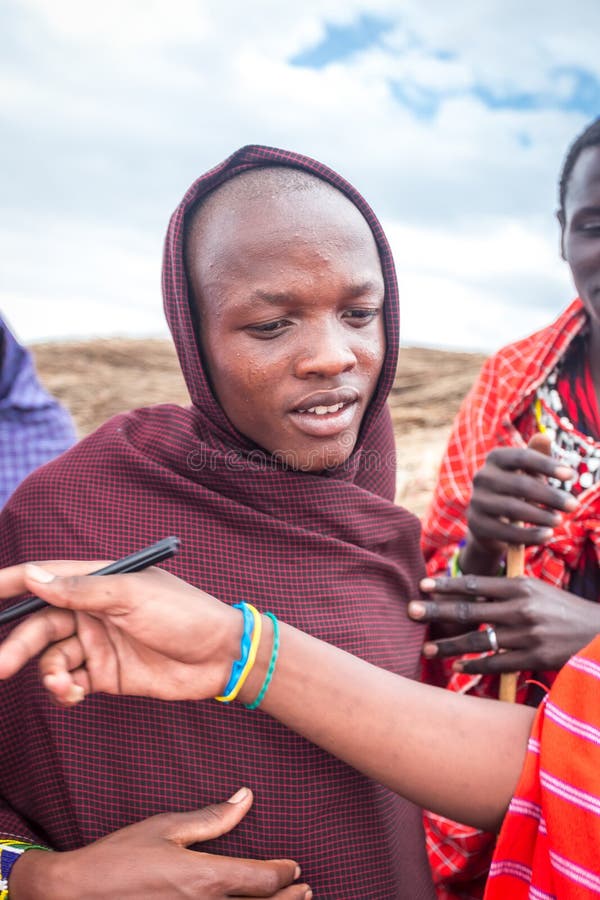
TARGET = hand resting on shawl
(150,859)
(151,633)
(540,626)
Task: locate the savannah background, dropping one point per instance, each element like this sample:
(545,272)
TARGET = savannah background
(98,378)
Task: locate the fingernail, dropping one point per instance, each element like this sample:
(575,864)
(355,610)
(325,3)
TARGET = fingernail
(416,609)
(308,895)
(36,573)
(297,872)
(546,533)
(457,666)
(564,473)
(75,694)
(571,504)
(239,795)
(427,584)
(430,649)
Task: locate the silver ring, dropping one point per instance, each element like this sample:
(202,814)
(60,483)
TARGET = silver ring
(492,638)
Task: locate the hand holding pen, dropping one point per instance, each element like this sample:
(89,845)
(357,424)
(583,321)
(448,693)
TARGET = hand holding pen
(147,633)
(135,562)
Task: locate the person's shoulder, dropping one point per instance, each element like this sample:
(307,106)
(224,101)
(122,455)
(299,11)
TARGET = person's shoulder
(135,424)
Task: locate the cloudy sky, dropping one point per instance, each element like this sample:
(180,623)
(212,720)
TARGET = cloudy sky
(451,118)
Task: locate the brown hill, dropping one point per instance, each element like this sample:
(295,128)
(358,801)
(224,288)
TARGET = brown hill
(96,379)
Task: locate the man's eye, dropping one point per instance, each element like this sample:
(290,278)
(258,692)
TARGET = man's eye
(362,316)
(268,329)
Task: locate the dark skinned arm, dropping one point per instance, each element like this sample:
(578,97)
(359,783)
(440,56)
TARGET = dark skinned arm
(431,747)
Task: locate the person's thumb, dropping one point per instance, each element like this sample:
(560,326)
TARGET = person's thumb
(211,821)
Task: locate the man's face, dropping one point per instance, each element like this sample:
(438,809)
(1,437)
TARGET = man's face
(581,230)
(290,293)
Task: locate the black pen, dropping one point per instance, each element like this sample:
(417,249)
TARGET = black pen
(135,562)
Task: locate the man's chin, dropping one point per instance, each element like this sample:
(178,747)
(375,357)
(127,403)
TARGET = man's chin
(317,459)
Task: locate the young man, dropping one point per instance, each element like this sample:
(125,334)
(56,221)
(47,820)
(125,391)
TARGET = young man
(281,295)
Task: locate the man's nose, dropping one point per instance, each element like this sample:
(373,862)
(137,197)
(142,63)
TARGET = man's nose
(325,352)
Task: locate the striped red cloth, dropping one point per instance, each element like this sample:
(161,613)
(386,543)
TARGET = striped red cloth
(330,554)
(548,845)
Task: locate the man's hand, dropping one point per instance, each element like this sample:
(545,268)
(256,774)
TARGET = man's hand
(537,625)
(147,633)
(150,860)
(512,503)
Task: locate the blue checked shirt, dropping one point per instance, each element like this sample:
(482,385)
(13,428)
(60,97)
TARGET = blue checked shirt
(34,427)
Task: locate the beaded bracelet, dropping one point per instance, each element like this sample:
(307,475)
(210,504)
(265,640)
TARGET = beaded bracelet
(249,647)
(10,851)
(261,694)
(453,566)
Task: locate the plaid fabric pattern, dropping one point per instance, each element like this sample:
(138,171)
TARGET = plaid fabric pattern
(33,426)
(548,845)
(328,553)
(570,558)
(460,857)
(486,419)
(492,415)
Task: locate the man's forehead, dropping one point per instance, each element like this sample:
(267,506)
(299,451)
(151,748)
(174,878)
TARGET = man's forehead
(253,199)
(265,181)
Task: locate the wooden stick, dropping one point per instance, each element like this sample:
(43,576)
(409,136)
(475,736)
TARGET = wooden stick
(515,565)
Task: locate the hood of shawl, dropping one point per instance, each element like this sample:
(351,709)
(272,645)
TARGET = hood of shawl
(177,300)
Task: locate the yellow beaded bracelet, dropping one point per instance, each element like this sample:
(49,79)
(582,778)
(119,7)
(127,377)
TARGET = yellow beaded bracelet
(256,634)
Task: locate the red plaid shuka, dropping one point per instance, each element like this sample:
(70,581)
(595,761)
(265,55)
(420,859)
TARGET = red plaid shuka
(488,418)
(548,845)
(330,553)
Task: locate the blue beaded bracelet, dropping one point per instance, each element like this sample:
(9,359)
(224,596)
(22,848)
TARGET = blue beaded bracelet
(239,664)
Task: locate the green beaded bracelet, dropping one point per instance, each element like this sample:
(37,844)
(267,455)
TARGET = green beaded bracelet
(261,694)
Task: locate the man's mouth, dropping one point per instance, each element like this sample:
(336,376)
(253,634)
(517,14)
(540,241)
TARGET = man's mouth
(326,414)
(322,410)
(322,403)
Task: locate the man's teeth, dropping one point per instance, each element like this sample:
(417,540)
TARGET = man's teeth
(322,410)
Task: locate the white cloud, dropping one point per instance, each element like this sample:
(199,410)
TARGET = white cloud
(111,111)
(505,282)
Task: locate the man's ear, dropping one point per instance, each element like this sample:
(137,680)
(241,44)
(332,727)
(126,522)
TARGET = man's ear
(561,221)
